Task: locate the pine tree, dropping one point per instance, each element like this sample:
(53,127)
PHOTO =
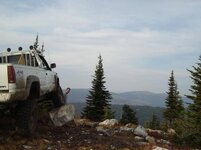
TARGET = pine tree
(99,98)
(154,123)
(128,115)
(179,105)
(108,114)
(174,103)
(194,109)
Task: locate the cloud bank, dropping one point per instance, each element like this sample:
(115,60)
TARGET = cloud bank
(140,42)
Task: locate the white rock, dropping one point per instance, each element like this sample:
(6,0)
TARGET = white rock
(159,148)
(138,138)
(161,141)
(155,131)
(140,131)
(124,128)
(26,147)
(150,139)
(130,125)
(46,141)
(102,130)
(171,131)
(109,122)
(62,115)
(85,122)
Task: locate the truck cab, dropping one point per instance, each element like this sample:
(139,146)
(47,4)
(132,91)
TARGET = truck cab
(19,69)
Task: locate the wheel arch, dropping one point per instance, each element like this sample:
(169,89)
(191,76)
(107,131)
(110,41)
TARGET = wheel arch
(33,87)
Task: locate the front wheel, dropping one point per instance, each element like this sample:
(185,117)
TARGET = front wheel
(58,97)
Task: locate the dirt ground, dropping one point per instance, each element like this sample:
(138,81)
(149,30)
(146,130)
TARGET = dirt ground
(67,137)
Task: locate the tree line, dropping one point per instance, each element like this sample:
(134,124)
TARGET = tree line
(186,121)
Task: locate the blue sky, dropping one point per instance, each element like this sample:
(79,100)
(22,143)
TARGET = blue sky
(140,41)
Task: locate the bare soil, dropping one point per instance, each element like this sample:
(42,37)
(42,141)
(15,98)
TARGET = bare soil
(67,137)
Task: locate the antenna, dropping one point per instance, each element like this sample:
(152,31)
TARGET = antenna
(36,43)
(42,49)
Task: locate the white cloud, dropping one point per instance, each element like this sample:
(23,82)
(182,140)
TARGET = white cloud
(141,42)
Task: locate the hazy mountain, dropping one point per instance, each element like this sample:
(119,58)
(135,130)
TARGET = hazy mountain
(140,98)
(132,98)
(77,95)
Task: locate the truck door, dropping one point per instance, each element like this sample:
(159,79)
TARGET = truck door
(49,76)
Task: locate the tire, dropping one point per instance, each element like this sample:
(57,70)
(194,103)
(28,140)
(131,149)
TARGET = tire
(58,97)
(27,116)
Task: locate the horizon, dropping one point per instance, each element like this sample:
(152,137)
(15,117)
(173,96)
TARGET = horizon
(141,42)
(121,92)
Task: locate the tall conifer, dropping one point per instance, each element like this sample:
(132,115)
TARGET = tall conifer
(128,115)
(99,98)
(194,109)
(174,103)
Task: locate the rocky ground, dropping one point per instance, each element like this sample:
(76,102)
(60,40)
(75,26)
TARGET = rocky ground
(72,136)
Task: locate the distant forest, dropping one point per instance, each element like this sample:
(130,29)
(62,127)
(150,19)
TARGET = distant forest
(143,113)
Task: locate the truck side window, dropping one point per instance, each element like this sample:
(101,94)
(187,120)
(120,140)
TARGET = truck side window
(28,60)
(1,60)
(22,60)
(14,59)
(32,61)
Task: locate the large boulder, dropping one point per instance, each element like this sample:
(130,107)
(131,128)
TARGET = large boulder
(140,131)
(62,115)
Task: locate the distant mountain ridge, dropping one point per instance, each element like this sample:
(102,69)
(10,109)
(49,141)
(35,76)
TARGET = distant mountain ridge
(142,98)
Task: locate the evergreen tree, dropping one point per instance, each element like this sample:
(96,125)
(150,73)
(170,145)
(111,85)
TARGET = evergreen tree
(179,105)
(99,98)
(154,123)
(128,115)
(174,103)
(108,113)
(194,109)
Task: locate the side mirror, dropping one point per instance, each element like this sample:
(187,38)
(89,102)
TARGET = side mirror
(53,65)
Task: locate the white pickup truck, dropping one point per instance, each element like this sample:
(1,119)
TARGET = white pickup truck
(25,80)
